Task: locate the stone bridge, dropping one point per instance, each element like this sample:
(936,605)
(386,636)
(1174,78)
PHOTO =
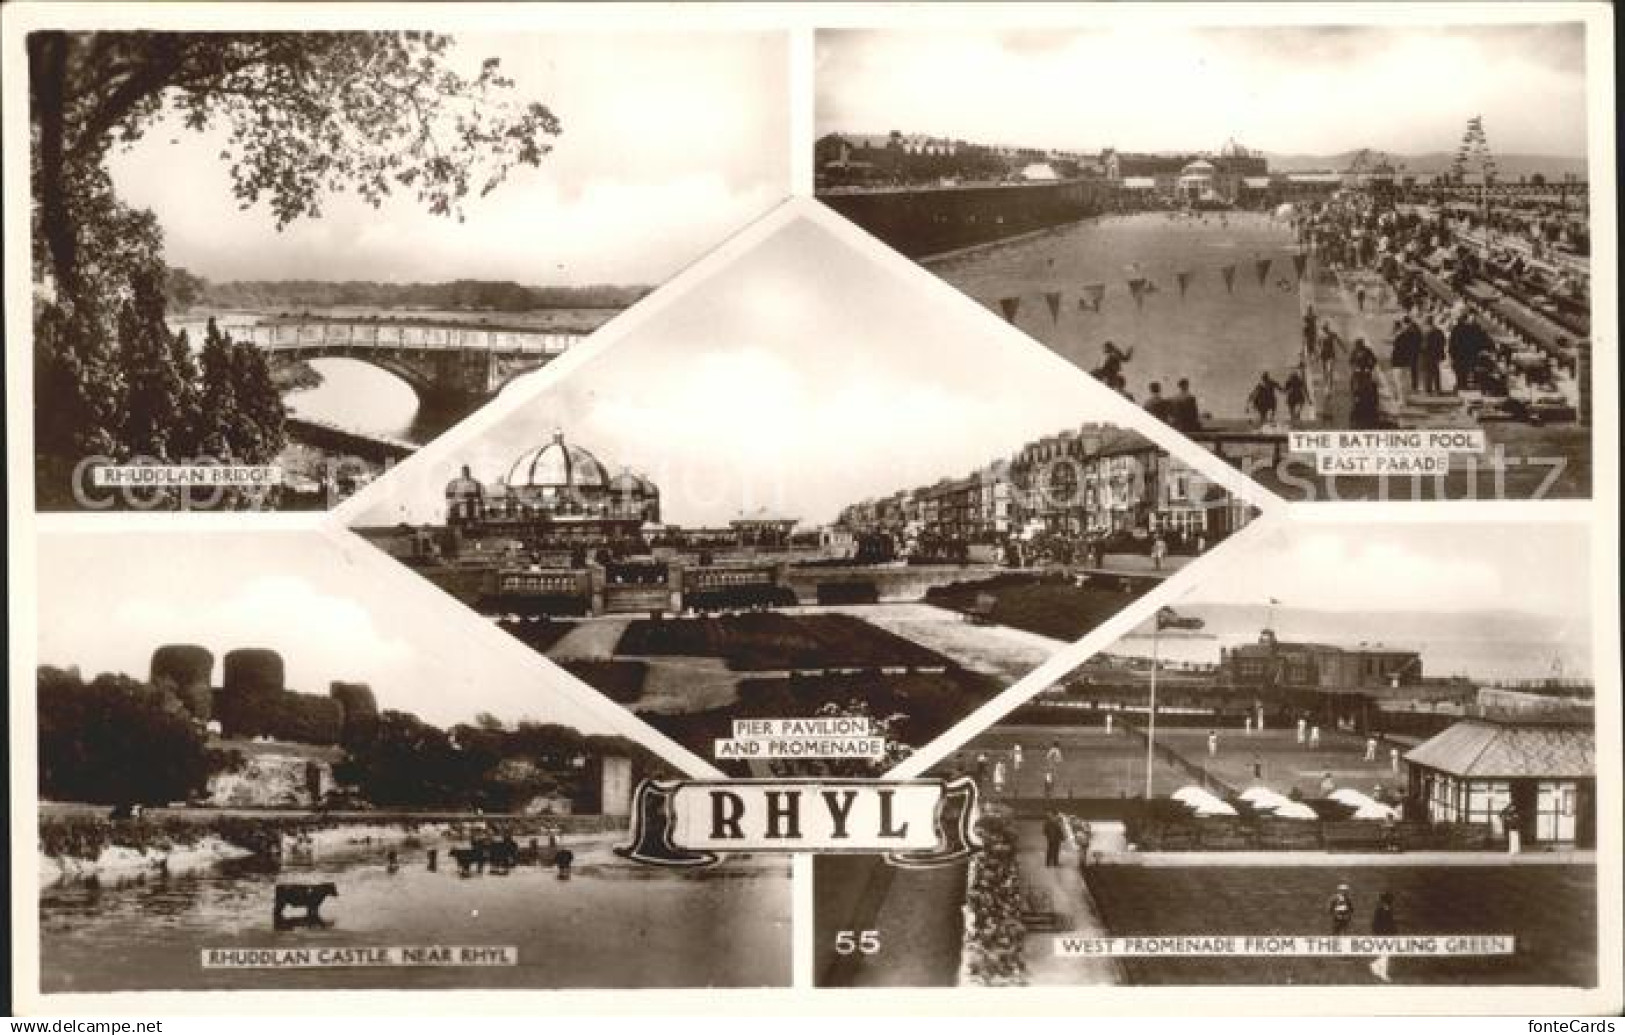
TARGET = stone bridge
(456,365)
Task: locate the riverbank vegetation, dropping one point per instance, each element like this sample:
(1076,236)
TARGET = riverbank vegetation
(116,740)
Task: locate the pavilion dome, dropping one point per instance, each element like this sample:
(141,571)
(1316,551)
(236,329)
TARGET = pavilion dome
(556,464)
(630,482)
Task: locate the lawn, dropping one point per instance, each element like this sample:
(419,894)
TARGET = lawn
(620,681)
(1049,607)
(538,636)
(1094,763)
(1550,909)
(775,642)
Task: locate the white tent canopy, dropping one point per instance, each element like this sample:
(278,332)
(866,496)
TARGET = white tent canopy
(1192,794)
(1375,810)
(1295,810)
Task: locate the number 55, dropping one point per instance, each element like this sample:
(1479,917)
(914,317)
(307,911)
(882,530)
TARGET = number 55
(865,942)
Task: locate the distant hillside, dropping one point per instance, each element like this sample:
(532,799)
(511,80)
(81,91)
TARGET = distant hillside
(1433,163)
(187,290)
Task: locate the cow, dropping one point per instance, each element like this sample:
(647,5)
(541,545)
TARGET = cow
(308,897)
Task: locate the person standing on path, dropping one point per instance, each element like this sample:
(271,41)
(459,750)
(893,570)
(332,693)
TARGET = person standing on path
(1187,413)
(1404,358)
(1341,909)
(1053,835)
(1384,924)
(1432,357)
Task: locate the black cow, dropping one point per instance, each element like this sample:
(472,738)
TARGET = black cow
(308,897)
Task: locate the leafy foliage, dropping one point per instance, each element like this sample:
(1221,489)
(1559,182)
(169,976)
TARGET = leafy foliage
(116,740)
(304,115)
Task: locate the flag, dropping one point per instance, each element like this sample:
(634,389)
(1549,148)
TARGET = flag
(1184,278)
(1299,261)
(1009,307)
(1228,272)
(1053,298)
(1274,602)
(1168,618)
(1262,267)
(1092,294)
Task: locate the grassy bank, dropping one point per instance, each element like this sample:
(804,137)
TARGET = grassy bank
(1051,607)
(1550,910)
(770,642)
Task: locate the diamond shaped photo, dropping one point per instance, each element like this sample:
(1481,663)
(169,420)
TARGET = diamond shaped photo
(809,483)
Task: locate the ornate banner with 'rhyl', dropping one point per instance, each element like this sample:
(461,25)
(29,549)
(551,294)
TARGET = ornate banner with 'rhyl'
(914,823)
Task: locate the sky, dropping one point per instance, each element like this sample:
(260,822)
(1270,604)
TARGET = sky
(334,613)
(1294,89)
(670,141)
(1486,599)
(802,377)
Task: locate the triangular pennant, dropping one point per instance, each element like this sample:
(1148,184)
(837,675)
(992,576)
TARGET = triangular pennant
(1262,268)
(1299,261)
(1053,298)
(1009,307)
(1228,272)
(1183,278)
(1136,287)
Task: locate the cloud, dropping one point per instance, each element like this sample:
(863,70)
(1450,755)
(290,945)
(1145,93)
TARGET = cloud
(1150,87)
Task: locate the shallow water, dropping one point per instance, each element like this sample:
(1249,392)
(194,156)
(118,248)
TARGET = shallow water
(1220,339)
(613,924)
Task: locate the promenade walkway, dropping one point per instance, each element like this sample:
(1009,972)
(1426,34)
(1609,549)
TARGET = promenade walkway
(1064,887)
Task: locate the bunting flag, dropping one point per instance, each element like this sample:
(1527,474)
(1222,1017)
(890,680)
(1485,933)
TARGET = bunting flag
(1136,287)
(1228,272)
(1262,267)
(1184,278)
(1299,261)
(1092,295)
(1009,307)
(1053,298)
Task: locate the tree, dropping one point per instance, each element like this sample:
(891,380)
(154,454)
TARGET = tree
(115,740)
(306,115)
(159,394)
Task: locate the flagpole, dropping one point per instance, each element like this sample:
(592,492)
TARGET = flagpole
(1151,721)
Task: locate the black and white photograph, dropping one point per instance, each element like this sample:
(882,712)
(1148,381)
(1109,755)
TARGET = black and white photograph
(1366,731)
(267,765)
(556,510)
(803,489)
(297,257)
(1320,228)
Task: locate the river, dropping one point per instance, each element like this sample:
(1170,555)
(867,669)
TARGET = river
(612,924)
(1220,339)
